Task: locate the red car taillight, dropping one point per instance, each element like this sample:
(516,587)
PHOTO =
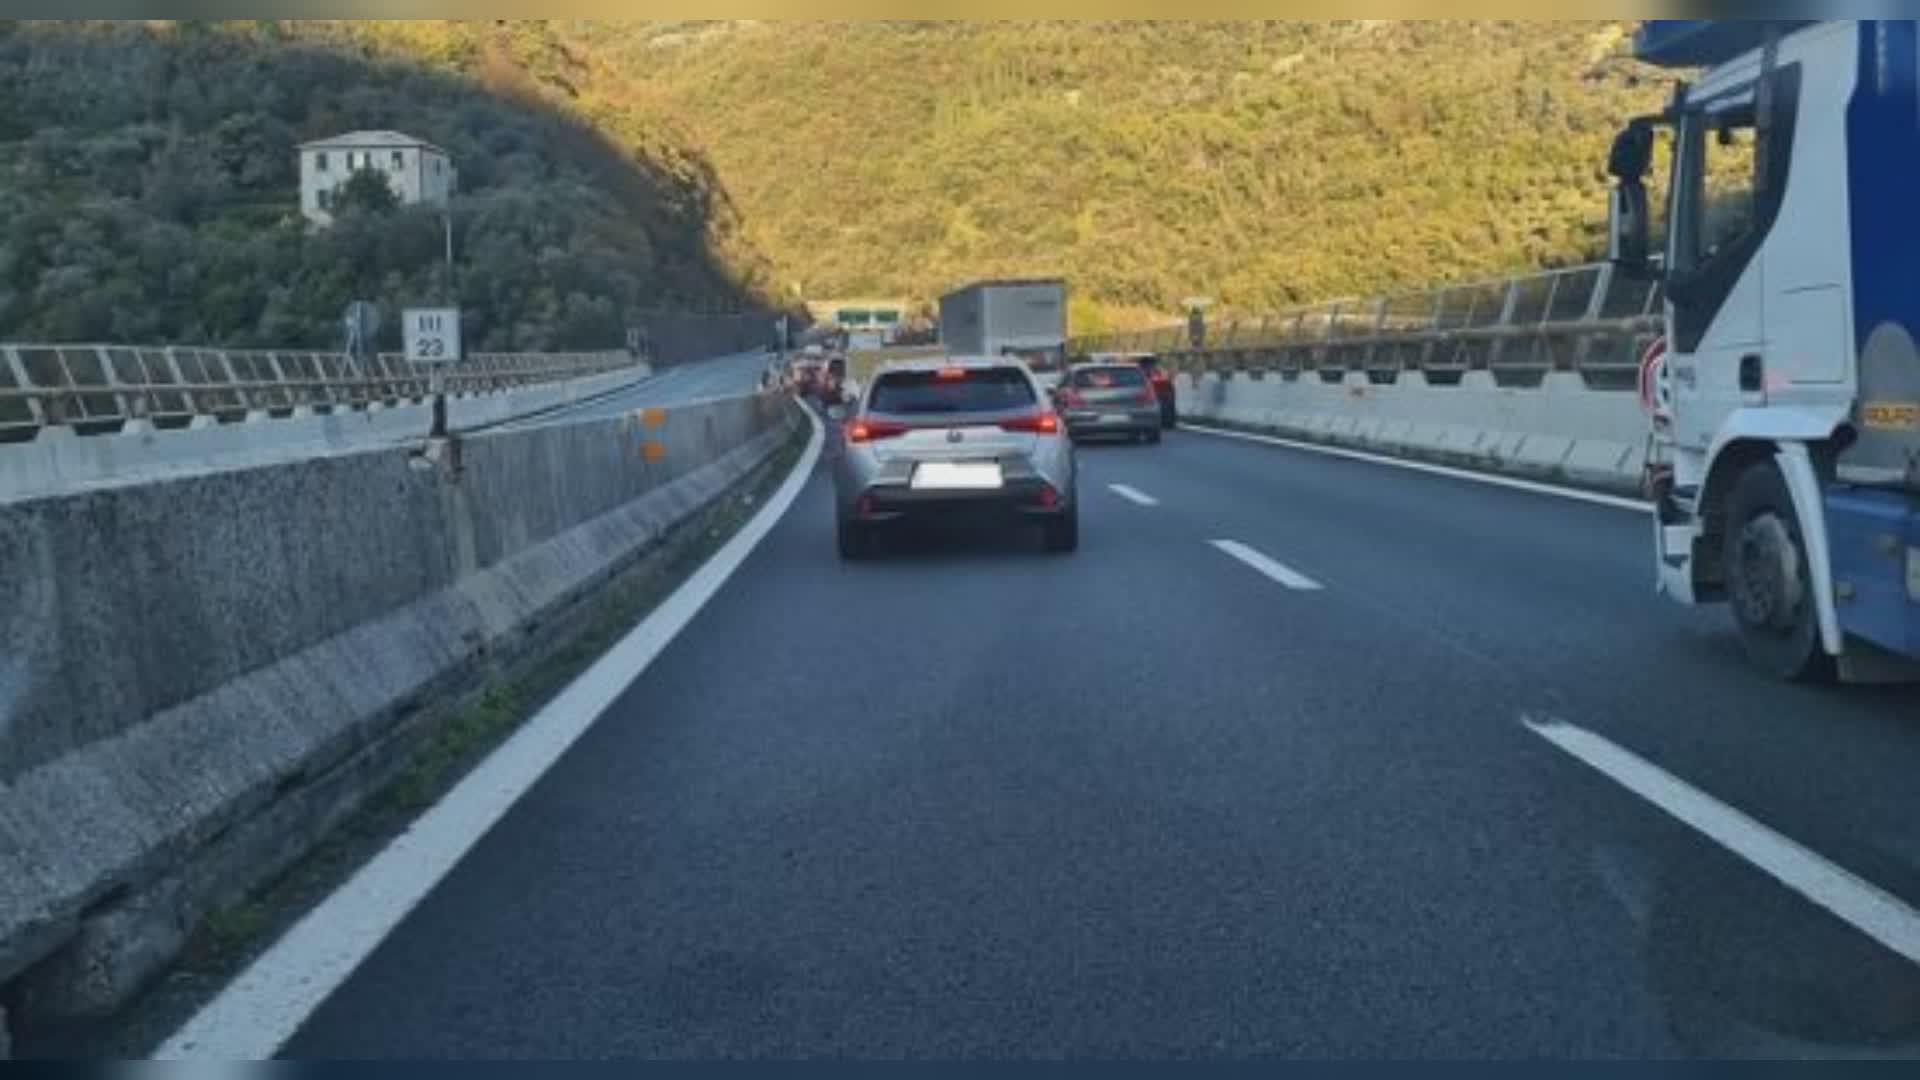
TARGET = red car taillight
(866,430)
(1040,423)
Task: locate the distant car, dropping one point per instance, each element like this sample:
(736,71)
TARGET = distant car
(1162,380)
(1108,399)
(1163,389)
(807,376)
(955,439)
(833,382)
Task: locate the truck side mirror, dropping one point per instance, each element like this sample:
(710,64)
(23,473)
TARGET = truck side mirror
(1632,153)
(1627,228)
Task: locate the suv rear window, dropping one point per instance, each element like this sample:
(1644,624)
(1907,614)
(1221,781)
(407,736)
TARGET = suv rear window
(1109,376)
(973,390)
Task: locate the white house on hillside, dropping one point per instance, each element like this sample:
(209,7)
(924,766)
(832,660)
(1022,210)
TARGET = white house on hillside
(416,170)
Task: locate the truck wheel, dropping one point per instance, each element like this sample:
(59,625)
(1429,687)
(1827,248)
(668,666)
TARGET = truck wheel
(1063,533)
(855,541)
(1768,584)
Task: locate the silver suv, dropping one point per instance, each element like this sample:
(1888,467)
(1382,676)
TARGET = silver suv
(954,437)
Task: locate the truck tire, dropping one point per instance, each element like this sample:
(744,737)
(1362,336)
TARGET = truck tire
(1769,585)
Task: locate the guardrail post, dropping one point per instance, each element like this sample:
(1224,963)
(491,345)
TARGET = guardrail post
(241,390)
(288,396)
(68,399)
(1541,343)
(1371,349)
(117,388)
(188,399)
(1510,300)
(35,407)
(1602,284)
(1596,303)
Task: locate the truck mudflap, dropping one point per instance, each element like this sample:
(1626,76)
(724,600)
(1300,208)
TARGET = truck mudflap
(1675,530)
(1875,543)
(1673,550)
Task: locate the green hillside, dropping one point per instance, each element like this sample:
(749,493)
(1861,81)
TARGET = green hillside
(1259,163)
(147,172)
(148,185)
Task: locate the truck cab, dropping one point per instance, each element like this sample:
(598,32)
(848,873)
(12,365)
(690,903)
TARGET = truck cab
(1785,444)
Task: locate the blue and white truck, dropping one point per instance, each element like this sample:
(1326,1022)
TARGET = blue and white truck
(1785,454)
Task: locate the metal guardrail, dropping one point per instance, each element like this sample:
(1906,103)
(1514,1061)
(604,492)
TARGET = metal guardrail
(1587,319)
(99,388)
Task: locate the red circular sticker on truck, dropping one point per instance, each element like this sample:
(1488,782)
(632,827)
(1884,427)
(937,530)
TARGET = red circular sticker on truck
(1654,396)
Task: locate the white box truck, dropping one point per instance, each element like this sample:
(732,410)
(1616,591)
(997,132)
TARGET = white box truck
(1024,317)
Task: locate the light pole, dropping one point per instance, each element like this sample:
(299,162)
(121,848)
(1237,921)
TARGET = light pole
(436,375)
(446,221)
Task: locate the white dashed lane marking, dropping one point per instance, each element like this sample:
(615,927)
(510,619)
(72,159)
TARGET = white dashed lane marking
(1133,495)
(1278,571)
(1865,906)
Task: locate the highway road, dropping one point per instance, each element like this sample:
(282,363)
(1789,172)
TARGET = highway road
(1298,755)
(678,385)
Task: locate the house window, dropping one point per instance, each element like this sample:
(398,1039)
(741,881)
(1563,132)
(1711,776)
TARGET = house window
(396,159)
(320,161)
(326,198)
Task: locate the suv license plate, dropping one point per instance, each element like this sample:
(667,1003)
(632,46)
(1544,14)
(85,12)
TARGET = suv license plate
(957,475)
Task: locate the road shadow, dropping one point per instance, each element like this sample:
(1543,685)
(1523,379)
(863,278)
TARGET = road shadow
(1099,443)
(958,542)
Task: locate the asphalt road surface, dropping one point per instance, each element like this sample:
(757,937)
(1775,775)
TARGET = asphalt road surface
(681,384)
(1263,769)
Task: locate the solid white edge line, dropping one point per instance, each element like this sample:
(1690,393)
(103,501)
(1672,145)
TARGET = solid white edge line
(1597,498)
(1860,903)
(1265,564)
(255,1014)
(1133,495)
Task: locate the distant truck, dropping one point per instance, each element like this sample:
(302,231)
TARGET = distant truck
(1024,317)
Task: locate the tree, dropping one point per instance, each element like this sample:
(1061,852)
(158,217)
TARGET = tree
(147,191)
(366,191)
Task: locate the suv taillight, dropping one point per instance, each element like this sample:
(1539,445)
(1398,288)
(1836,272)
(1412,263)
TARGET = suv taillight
(1040,423)
(864,429)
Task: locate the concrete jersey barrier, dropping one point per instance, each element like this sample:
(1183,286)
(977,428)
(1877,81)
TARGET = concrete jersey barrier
(58,459)
(1560,430)
(201,673)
